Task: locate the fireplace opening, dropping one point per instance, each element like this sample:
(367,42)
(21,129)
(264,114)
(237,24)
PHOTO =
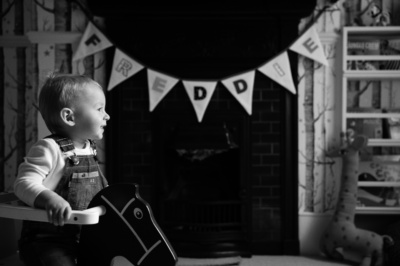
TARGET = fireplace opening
(202,202)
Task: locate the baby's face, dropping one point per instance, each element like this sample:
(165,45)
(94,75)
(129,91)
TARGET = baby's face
(90,114)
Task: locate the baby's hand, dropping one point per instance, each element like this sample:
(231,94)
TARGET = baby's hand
(58,209)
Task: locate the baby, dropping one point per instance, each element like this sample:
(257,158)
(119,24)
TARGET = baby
(60,172)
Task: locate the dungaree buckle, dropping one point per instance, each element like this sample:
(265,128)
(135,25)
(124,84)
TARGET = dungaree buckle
(74,159)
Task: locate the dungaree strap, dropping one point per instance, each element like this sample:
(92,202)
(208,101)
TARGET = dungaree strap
(65,143)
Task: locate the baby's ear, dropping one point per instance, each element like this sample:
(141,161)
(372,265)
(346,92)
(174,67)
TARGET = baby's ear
(67,116)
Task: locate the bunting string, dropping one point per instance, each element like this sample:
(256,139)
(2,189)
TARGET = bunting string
(241,85)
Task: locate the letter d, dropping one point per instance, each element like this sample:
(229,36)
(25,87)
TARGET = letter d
(240,85)
(199,93)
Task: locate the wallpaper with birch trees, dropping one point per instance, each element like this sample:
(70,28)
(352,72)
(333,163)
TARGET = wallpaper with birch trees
(36,38)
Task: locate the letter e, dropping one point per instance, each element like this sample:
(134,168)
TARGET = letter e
(310,45)
(159,84)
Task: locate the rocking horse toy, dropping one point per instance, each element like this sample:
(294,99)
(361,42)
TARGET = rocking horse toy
(118,228)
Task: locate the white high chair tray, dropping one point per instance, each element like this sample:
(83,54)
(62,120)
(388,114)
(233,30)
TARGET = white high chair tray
(11,207)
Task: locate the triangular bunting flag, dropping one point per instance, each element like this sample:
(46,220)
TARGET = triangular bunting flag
(200,93)
(241,87)
(92,41)
(278,69)
(309,45)
(159,85)
(123,68)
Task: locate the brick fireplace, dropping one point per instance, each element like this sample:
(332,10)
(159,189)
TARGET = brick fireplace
(227,185)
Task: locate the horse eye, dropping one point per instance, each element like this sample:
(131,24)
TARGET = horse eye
(138,213)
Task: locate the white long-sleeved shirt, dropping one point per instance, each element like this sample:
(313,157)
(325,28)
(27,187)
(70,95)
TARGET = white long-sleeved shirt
(42,169)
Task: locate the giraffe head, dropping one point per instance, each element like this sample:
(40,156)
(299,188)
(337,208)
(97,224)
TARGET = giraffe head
(350,143)
(357,143)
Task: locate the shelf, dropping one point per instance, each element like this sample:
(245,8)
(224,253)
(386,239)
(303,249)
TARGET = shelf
(378,184)
(395,163)
(383,143)
(370,97)
(372,115)
(373,58)
(371,74)
(378,210)
(379,31)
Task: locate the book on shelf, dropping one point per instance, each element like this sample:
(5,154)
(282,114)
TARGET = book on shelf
(363,47)
(370,127)
(378,197)
(370,46)
(382,168)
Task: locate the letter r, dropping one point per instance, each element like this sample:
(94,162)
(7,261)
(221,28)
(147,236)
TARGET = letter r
(123,67)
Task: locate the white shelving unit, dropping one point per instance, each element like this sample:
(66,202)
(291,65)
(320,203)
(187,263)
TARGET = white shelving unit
(371,104)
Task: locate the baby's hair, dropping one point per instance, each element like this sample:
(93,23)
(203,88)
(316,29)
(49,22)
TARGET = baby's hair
(60,91)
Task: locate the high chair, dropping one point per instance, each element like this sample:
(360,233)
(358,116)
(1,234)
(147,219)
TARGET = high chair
(118,228)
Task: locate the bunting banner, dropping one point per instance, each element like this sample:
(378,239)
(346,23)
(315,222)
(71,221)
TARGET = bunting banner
(200,93)
(123,68)
(92,41)
(241,87)
(278,69)
(310,46)
(159,86)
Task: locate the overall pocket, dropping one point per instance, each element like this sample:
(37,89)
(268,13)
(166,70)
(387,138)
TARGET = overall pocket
(82,188)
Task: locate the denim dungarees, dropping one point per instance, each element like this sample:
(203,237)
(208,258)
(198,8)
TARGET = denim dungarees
(82,177)
(81,180)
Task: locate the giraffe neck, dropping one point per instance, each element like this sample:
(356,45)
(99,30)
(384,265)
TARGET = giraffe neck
(349,185)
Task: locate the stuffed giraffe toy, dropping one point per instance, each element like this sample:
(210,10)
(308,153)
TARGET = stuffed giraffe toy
(342,240)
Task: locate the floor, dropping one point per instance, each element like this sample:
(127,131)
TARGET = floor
(253,261)
(11,261)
